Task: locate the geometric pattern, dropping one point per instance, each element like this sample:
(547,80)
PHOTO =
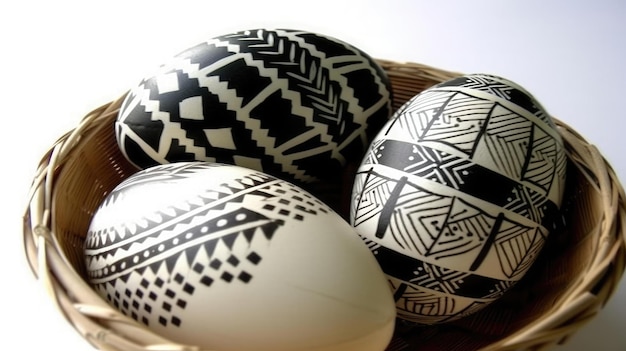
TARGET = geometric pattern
(198,241)
(437,278)
(419,305)
(289,103)
(504,89)
(518,250)
(463,175)
(457,195)
(486,131)
(440,228)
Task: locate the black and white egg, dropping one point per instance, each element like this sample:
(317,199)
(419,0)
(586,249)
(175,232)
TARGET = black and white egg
(290,103)
(458,193)
(227,258)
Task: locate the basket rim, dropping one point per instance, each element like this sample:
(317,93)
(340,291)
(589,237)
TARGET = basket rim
(95,320)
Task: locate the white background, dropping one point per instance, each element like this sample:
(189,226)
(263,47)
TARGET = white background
(60,59)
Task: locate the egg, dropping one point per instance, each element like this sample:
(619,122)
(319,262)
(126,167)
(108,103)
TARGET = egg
(227,258)
(294,104)
(457,195)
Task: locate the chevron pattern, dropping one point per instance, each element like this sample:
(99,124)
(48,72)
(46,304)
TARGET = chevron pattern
(463,231)
(424,162)
(439,278)
(422,306)
(285,102)
(460,122)
(506,139)
(482,82)
(429,308)
(422,212)
(415,116)
(542,164)
(369,201)
(517,247)
(528,203)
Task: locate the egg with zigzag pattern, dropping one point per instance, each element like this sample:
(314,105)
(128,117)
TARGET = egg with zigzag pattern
(291,103)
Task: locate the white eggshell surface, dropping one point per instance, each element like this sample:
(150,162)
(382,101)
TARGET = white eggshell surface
(458,194)
(228,258)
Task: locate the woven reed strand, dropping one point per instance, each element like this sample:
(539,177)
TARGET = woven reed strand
(577,272)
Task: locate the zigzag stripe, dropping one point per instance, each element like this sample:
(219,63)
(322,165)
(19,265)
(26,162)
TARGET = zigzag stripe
(286,49)
(302,64)
(141,96)
(487,84)
(159,222)
(128,260)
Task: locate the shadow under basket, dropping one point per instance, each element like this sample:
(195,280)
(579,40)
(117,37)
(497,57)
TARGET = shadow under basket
(577,272)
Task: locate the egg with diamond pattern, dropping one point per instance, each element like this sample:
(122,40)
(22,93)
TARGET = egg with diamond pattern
(225,257)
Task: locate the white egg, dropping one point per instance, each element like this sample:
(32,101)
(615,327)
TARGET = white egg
(224,257)
(458,193)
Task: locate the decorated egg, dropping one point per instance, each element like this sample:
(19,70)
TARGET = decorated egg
(293,104)
(457,195)
(227,258)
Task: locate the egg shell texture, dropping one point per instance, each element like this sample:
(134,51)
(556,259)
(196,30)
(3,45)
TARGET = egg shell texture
(290,103)
(458,193)
(228,258)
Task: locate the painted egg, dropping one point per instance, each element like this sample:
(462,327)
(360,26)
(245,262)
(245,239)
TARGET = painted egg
(224,257)
(457,195)
(293,104)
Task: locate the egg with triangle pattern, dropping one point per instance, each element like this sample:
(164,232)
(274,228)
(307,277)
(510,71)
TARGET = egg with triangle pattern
(458,194)
(225,257)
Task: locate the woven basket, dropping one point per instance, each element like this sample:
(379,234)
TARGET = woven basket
(577,272)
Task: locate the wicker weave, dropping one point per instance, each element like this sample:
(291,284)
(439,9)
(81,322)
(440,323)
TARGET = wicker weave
(577,272)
